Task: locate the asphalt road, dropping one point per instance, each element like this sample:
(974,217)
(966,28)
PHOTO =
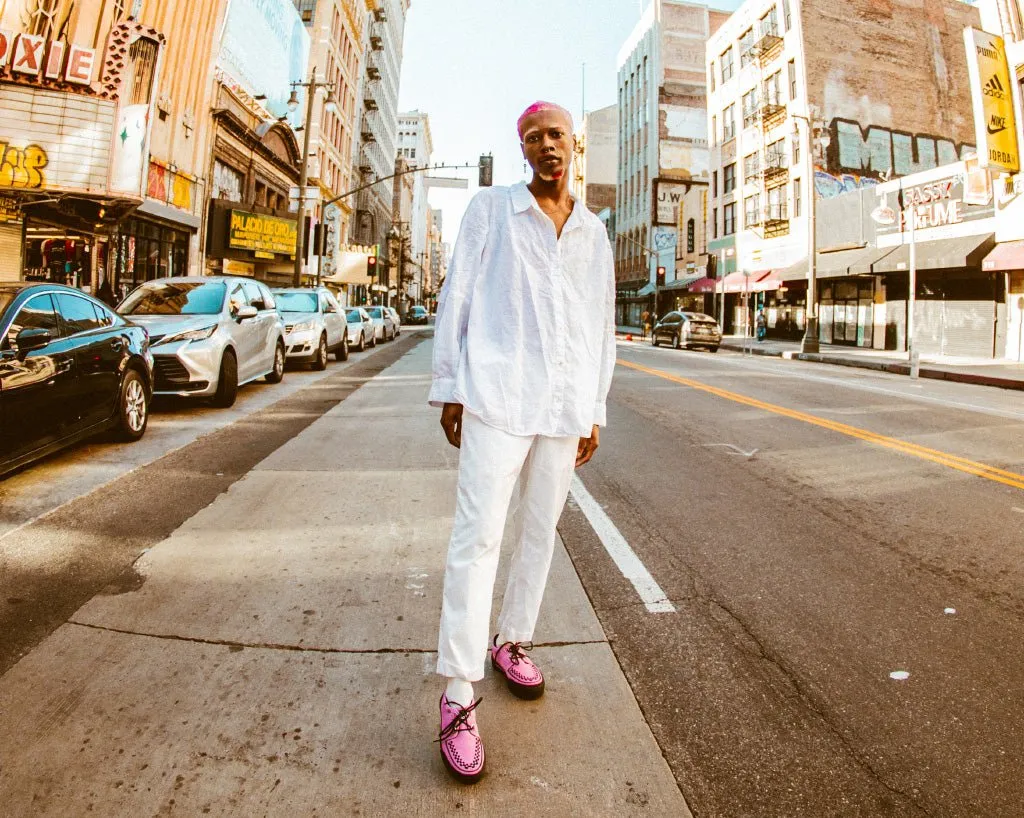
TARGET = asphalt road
(809,553)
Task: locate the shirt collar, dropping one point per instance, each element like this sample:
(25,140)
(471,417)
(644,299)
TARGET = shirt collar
(522,200)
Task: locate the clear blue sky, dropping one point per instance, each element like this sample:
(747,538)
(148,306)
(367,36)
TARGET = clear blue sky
(474,65)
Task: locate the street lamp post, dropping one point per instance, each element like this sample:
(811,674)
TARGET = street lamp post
(884,215)
(817,138)
(312,86)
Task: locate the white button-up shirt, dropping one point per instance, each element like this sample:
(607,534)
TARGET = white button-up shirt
(525,330)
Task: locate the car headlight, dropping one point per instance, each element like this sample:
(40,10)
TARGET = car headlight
(190,335)
(305,326)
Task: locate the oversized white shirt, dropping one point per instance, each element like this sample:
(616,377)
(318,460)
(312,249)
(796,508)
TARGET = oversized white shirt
(525,330)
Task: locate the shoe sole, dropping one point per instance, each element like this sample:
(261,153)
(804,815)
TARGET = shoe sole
(458,775)
(528,692)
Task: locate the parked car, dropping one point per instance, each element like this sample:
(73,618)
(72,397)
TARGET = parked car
(396,319)
(383,324)
(687,329)
(314,325)
(417,315)
(361,333)
(209,334)
(69,368)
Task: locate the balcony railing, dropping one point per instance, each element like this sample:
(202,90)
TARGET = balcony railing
(776,213)
(770,111)
(775,167)
(769,44)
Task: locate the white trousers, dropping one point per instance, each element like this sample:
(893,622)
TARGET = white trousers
(490,463)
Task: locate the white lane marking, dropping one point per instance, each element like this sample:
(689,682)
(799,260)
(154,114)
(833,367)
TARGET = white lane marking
(899,675)
(804,376)
(1018,510)
(733,449)
(618,549)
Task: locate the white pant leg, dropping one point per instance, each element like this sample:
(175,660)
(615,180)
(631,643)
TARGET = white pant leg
(544,485)
(489,465)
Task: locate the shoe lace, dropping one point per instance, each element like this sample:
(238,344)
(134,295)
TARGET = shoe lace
(460,722)
(515,651)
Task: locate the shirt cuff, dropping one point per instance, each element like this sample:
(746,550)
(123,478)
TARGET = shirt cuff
(600,414)
(442,391)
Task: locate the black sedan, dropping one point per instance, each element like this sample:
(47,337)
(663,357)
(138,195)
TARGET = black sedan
(70,367)
(687,329)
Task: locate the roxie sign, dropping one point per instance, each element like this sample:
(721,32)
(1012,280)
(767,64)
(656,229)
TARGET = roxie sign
(32,58)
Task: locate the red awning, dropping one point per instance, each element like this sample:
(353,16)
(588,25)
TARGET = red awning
(1006,256)
(738,282)
(703,285)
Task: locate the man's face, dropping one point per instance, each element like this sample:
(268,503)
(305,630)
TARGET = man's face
(548,144)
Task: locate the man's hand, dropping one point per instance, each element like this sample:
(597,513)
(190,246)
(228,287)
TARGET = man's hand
(451,422)
(587,448)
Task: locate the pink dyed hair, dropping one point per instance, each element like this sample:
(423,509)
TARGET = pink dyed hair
(537,107)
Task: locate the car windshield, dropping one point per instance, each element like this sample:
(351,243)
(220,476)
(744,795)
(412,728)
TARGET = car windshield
(699,316)
(376,312)
(175,298)
(354,317)
(296,302)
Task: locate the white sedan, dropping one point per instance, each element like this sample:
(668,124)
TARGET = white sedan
(314,325)
(361,332)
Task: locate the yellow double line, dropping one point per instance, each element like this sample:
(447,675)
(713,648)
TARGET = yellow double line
(952,461)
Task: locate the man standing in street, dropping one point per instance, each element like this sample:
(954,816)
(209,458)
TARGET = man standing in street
(524,349)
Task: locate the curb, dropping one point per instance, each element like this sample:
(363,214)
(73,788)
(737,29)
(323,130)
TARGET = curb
(891,367)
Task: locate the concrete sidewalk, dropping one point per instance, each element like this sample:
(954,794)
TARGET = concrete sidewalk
(276,657)
(979,371)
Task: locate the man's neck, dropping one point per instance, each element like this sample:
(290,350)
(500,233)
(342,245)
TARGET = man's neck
(555,191)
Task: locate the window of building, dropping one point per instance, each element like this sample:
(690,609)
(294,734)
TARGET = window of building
(773,89)
(795,140)
(714,130)
(727,67)
(42,17)
(729,123)
(792,79)
(714,184)
(777,210)
(714,222)
(711,75)
(797,194)
(750,108)
(775,156)
(751,167)
(729,178)
(746,47)
(691,236)
(752,211)
(786,16)
(770,23)
(142,56)
(729,217)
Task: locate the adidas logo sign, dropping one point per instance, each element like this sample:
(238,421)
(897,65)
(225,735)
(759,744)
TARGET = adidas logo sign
(994,88)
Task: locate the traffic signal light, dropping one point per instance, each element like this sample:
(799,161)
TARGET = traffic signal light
(486,171)
(661,277)
(371,266)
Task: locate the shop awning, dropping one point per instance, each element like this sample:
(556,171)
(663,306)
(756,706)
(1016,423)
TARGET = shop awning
(940,254)
(740,282)
(683,282)
(647,289)
(703,285)
(1008,255)
(836,264)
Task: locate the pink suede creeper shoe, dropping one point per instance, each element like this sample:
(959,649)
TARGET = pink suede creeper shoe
(462,749)
(523,677)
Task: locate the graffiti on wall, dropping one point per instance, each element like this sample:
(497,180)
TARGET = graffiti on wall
(22,167)
(869,152)
(832,184)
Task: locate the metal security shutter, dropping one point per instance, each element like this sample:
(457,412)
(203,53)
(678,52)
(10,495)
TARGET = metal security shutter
(10,252)
(969,328)
(928,318)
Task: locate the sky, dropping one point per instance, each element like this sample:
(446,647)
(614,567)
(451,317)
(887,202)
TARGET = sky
(474,66)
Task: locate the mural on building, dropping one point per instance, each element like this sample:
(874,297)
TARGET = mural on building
(869,152)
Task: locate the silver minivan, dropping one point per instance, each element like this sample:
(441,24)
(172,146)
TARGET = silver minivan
(209,334)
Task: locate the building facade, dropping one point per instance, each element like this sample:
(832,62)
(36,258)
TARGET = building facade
(662,134)
(416,146)
(596,166)
(796,110)
(79,84)
(374,152)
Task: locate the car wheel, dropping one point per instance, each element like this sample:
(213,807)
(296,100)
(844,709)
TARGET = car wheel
(373,340)
(227,381)
(276,375)
(362,343)
(132,407)
(341,353)
(712,349)
(654,340)
(320,361)
(676,343)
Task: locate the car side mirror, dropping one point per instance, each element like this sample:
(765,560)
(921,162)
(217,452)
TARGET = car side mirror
(30,339)
(248,311)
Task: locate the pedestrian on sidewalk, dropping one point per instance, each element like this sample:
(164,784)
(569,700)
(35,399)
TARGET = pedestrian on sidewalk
(762,325)
(524,349)
(645,325)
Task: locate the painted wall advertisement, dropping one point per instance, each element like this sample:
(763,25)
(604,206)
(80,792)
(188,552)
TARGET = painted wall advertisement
(668,198)
(265,48)
(991,93)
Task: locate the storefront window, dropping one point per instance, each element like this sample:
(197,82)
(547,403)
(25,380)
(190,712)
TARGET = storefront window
(227,182)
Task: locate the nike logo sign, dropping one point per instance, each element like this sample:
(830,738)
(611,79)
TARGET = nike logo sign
(992,130)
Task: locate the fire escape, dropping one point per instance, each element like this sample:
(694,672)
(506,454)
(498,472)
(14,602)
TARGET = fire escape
(772,218)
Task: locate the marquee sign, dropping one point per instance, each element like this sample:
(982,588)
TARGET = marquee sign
(30,57)
(264,235)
